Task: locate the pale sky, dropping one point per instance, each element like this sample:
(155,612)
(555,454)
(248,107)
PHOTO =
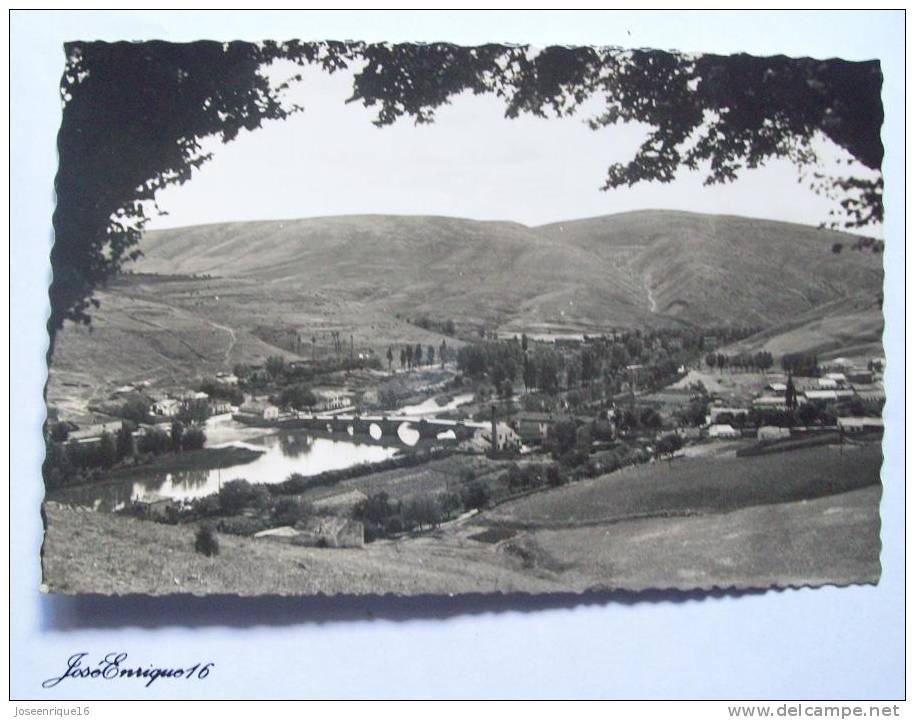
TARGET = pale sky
(471,162)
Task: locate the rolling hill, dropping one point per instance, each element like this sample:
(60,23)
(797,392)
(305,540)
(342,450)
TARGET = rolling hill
(851,327)
(640,267)
(203,298)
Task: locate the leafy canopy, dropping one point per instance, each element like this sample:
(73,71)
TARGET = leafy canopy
(134,115)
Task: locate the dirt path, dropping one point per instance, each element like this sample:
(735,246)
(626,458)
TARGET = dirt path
(231,332)
(652,303)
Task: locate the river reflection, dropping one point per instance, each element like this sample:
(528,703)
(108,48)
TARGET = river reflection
(283,453)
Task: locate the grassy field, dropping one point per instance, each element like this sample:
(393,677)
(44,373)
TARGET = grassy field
(696,486)
(433,477)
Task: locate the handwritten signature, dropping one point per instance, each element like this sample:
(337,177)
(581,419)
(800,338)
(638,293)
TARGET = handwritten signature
(114,666)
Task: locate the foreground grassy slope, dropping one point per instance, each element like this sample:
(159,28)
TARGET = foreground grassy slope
(571,539)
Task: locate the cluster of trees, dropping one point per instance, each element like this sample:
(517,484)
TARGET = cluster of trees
(298,396)
(277,372)
(760,361)
(445,327)
(222,391)
(646,358)
(383,516)
(411,356)
(73,461)
(801,363)
(523,478)
(668,445)
(806,414)
(135,408)
(194,411)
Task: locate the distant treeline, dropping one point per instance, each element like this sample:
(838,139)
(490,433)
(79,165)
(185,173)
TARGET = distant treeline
(646,358)
(69,462)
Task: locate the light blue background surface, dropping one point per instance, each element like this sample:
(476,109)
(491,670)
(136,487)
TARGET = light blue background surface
(824,643)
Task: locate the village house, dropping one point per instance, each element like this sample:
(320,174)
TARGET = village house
(770,401)
(255,409)
(226,378)
(92,432)
(827,395)
(333,400)
(154,506)
(533,427)
(166,407)
(219,406)
(836,365)
(506,438)
(860,424)
(724,432)
(873,393)
(190,395)
(821,395)
(716,410)
(770,432)
(689,432)
(859,376)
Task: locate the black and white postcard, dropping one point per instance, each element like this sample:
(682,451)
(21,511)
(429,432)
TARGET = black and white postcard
(369,318)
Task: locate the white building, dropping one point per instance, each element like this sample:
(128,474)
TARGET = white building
(860,424)
(261,410)
(725,432)
(167,407)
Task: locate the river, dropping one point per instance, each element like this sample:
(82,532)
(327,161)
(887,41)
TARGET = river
(283,452)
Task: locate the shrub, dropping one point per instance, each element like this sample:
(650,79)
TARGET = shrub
(289,511)
(475,495)
(153,441)
(394,525)
(669,444)
(573,458)
(422,510)
(206,542)
(60,432)
(555,476)
(562,437)
(451,504)
(241,525)
(236,495)
(193,439)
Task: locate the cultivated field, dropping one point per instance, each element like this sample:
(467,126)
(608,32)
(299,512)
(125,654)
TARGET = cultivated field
(696,486)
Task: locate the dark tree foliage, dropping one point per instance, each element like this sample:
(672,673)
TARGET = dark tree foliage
(134,116)
(727,112)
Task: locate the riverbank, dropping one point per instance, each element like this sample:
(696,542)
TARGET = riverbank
(203,459)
